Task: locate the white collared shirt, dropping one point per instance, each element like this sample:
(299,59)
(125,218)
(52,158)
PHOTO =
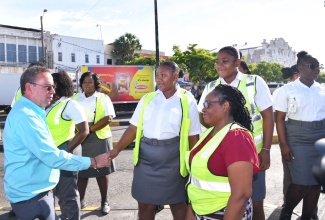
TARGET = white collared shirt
(73,111)
(162,117)
(89,106)
(301,102)
(263,98)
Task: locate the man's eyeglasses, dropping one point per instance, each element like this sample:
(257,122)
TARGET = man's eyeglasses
(206,104)
(314,66)
(47,87)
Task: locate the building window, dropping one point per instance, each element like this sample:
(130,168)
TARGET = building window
(86,58)
(97,59)
(2,52)
(32,55)
(109,62)
(22,53)
(11,53)
(59,56)
(73,57)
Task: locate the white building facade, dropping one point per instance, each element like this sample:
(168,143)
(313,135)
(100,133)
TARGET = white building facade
(276,51)
(70,52)
(19,46)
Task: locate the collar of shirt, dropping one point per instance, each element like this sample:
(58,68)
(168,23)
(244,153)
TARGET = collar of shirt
(177,93)
(55,103)
(34,107)
(235,82)
(299,83)
(83,96)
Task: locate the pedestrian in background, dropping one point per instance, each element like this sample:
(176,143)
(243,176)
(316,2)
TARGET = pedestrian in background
(32,162)
(224,160)
(243,67)
(259,104)
(65,116)
(99,112)
(165,125)
(303,103)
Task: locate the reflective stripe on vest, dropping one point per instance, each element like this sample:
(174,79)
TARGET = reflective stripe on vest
(18,95)
(206,185)
(105,132)
(206,191)
(61,129)
(247,86)
(184,130)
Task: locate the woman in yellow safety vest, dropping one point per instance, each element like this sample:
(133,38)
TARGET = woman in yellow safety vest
(99,112)
(223,161)
(165,125)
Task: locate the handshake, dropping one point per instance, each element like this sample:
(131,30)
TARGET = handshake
(100,161)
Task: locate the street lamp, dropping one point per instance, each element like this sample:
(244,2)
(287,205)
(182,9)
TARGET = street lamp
(100,28)
(42,38)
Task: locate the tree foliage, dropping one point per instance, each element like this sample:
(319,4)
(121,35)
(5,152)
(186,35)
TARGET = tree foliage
(321,77)
(270,72)
(199,63)
(125,47)
(144,61)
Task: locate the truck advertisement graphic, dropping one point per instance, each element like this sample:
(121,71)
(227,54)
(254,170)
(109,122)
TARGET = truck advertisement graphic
(124,84)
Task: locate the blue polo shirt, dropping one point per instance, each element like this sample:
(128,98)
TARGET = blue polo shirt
(32,162)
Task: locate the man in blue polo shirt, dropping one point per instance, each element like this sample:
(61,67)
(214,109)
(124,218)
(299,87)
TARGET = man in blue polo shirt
(31,159)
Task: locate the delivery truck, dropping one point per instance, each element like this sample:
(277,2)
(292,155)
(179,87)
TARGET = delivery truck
(125,85)
(9,83)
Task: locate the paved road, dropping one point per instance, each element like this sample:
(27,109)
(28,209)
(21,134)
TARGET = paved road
(123,206)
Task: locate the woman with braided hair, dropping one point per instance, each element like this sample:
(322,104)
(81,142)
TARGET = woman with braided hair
(224,160)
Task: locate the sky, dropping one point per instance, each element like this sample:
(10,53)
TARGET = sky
(211,24)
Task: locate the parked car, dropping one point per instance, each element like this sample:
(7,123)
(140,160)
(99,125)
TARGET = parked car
(274,86)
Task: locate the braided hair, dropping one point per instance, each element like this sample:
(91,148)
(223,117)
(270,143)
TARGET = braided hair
(237,105)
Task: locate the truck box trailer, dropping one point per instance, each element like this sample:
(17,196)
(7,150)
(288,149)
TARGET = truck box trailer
(125,85)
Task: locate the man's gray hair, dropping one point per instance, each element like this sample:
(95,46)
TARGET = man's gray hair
(30,75)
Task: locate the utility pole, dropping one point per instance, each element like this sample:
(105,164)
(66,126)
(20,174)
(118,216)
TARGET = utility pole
(157,36)
(100,28)
(42,38)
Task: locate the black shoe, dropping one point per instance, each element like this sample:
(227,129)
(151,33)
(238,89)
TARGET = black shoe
(159,208)
(285,216)
(105,208)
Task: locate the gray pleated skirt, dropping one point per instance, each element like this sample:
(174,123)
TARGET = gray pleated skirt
(301,137)
(91,147)
(157,179)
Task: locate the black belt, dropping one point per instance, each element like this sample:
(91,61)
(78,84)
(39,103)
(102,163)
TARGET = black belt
(154,141)
(39,196)
(309,124)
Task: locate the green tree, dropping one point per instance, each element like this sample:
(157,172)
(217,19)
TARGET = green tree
(125,47)
(199,63)
(270,72)
(144,61)
(321,77)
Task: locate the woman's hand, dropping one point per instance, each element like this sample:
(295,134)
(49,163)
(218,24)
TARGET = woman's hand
(264,159)
(286,153)
(113,153)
